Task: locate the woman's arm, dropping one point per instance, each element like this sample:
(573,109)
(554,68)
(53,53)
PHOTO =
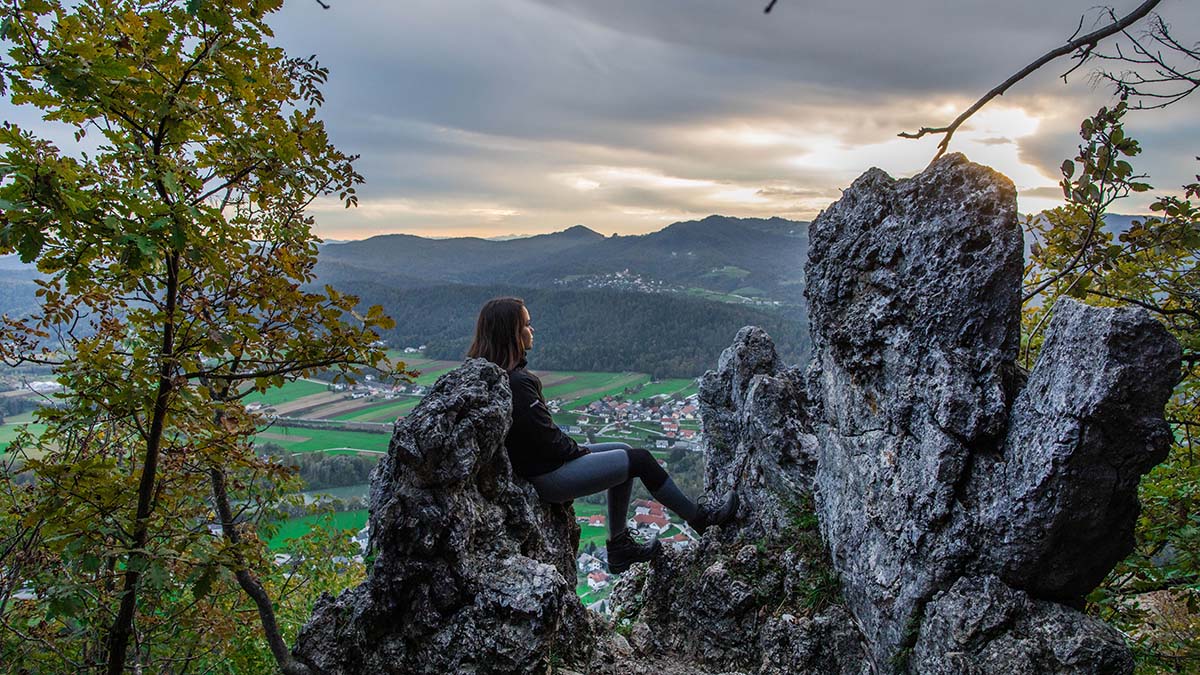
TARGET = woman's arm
(533,425)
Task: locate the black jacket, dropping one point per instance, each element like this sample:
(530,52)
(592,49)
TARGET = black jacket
(535,444)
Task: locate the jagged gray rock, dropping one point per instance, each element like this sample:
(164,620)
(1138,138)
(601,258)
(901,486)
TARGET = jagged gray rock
(1058,505)
(981,626)
(471,572)
(911,288)
(926,470)
(758,437)
(758,596)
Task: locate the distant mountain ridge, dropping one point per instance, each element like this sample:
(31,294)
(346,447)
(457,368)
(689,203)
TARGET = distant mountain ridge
(717,253)
(666,302)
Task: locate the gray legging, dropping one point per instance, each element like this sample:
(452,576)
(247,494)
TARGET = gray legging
(612,467)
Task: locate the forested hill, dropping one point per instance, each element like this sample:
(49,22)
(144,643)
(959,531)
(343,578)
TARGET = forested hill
(664,335)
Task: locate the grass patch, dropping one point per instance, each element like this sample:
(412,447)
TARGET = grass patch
(590,534)
(290,391)
(298,527)
(749,292)
(729,272)
(665,387)
(317,440)
(437,369)
(386,411)
(566,419)
(8,433)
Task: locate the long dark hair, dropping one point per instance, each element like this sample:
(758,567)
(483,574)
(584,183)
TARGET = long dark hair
(498,332)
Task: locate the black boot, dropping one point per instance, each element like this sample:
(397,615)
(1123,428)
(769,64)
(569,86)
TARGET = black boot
(715,514)
(623,551)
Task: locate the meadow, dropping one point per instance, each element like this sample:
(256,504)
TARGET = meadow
(298,527)
(12,425)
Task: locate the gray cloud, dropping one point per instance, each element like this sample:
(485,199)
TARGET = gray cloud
(532,115)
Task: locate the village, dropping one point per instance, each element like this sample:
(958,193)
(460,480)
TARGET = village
(632,281)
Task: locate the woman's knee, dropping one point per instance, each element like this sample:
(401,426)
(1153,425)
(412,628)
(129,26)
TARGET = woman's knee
(643,465)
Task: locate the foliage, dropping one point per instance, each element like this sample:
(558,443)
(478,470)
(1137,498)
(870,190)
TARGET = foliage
(172,258)
(1154,594)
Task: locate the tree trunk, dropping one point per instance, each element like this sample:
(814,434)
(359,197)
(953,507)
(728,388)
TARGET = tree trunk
(118,642)
(250,583)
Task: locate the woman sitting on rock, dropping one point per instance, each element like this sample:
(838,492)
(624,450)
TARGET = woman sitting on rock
(559,468)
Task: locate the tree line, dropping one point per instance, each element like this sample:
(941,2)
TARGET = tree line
(599,330)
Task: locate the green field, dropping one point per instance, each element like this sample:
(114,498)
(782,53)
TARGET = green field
(729,272)
(589,533)
(316,440)
(585,387)
(565,419)
(298,527)
(749,292)
(428,377)
(682,387)
(387,411)
(8,430)
(288,392)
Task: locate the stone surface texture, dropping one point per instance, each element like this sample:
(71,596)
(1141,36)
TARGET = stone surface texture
(911,501)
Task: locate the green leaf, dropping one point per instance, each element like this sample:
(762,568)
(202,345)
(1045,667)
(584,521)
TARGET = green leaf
(6,205)
(1068,168)
(1080,289)
(203,585)
(110,69)
(30,245)
(156,575)
(170,182)
(193,6)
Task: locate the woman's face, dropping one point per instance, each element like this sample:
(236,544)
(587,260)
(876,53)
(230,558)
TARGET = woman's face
(526,330)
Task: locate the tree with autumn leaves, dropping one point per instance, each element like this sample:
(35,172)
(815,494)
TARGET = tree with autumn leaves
(174,256)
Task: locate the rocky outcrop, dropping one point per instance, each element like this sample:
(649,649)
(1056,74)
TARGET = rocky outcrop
(759,596)
(910,501)
(981,626)
(1058,503)
(964,506)
(470,571)
(935,462)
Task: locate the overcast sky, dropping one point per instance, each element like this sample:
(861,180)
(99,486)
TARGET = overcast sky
(491,117)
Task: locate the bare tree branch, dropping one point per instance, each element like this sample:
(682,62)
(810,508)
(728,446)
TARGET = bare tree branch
(1082,48)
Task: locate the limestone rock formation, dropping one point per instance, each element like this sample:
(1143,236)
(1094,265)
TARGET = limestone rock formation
(1058,503)
(471,572)
(760,595)
(981,626)
(934,461)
